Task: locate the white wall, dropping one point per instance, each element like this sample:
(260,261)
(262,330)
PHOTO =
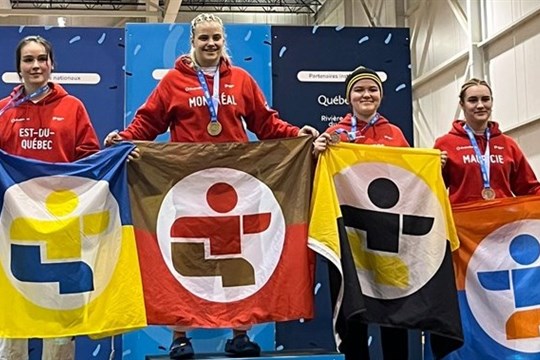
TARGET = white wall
(509,53)
(353,13)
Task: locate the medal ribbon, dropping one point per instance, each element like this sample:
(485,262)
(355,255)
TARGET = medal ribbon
(483,160)
(353,134)
(211,102)
(17,100)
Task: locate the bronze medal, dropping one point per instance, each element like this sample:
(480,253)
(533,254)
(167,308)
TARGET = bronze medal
(334,138)
(488,194)
(214,128)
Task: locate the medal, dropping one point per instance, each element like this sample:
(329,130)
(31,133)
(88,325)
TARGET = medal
(214,128)
(334,138)
(488,194)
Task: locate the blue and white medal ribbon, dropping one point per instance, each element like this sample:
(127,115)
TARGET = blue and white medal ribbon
(17,100)
(214,127)
(487,192)
(353,134)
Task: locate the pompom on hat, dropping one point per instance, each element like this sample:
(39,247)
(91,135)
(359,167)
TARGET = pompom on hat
(360,73)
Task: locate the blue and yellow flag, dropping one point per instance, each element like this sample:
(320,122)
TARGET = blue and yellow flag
(68,257)
(381,215)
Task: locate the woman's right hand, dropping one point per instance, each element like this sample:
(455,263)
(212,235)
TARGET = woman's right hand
(321,144)
(113,138)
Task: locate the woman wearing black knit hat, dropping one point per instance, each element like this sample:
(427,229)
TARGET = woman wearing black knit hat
(364,92)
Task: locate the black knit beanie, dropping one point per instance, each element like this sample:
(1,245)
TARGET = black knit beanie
(359,73)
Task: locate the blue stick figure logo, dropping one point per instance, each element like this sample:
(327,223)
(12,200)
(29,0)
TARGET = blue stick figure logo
(502,285)
(522,324)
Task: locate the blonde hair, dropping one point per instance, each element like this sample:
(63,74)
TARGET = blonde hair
(473,82)
(205,17)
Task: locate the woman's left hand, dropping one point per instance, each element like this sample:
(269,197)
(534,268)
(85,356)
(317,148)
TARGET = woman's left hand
(308,130)
(135,154)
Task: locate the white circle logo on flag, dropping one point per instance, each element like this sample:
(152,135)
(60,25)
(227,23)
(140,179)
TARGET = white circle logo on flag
(221,233)
(396,228)
(62,239)
(502,285)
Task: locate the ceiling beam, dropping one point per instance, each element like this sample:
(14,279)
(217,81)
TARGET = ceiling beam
(75,13)
(171,10)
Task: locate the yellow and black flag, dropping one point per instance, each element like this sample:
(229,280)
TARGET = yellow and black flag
(381,215)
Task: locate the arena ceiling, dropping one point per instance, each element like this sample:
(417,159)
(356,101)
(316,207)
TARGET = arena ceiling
(253,6)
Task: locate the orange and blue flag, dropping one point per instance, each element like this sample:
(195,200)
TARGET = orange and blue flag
(498,278)
(68,260)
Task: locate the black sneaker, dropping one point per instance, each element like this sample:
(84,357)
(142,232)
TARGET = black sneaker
(181,348)
(241,346)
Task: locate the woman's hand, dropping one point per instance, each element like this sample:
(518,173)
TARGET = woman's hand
(135,154)
(308,130)
(444,157)
(112,138)
(321,144)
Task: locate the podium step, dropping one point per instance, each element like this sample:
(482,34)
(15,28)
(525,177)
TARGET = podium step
(289,355)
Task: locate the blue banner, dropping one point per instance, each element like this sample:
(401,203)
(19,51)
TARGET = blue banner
(309,66)
(88,63)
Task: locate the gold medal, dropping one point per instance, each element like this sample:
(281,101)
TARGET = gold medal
(488,194)
(214,128)
(334,138)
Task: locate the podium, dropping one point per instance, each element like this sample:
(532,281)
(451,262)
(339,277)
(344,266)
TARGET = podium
(314,354)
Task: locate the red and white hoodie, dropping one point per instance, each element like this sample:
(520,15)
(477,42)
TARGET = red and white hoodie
(178,103)
(57,128)
(510,173)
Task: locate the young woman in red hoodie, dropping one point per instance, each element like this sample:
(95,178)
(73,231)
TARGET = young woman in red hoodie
(206,99)
(41,121)
(471,142)
(364,125)
(364,92)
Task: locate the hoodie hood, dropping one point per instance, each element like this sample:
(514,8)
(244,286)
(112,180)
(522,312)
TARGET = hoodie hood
(458,130)
(57,92)
(347,120)
(186,66)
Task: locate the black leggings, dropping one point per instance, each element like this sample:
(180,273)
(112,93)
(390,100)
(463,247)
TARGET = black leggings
(395,343)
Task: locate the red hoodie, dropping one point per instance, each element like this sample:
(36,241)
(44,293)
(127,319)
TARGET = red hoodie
(510,173)
(178,103)
(382,133)
(55,129)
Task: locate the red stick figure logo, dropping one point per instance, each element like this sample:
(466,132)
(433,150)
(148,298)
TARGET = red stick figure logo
(221,233)
(224,233)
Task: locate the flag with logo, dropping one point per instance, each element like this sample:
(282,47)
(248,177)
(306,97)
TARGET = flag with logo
(222,231)
(68,256)
(385,211)
(498,278)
